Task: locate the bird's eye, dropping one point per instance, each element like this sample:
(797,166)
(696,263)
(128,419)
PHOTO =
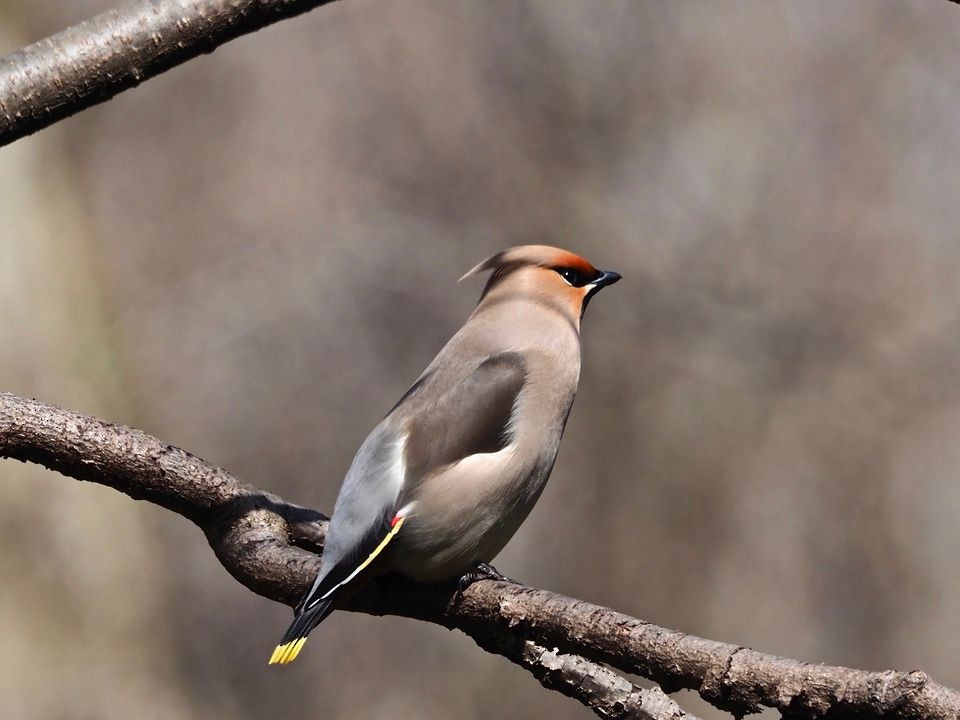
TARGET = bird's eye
(572,277)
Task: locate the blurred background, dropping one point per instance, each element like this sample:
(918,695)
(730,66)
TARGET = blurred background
(253,255)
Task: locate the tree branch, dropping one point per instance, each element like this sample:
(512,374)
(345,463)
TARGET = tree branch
(91,62)
(119,49)
(268,545)
(605,692)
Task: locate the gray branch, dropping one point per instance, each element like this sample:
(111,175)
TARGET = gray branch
(271,547)
(605,692)
(119,49)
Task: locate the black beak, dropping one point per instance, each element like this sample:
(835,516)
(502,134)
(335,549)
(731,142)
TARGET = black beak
(606,277)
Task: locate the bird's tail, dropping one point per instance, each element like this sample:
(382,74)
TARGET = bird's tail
(318,602)
(296,635)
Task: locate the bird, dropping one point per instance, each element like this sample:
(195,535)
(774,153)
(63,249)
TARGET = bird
(447,477)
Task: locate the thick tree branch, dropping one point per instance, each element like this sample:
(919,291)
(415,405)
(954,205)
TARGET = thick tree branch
(270,545)
(267,544)
(93,61)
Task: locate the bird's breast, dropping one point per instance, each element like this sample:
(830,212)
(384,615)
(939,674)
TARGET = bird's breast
(465,512)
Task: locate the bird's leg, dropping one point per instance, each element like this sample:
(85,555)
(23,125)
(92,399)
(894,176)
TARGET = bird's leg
(480,571)
(485,571)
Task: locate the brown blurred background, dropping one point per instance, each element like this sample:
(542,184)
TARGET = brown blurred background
(253,255)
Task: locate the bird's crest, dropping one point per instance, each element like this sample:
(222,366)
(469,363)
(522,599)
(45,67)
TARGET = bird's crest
(541,255)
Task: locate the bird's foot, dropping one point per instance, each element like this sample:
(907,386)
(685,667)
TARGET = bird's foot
(483,571)
(480,571)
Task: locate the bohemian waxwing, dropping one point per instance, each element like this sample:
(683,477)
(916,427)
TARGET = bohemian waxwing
(446,478)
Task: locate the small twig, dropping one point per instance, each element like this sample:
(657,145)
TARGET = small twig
(605,692)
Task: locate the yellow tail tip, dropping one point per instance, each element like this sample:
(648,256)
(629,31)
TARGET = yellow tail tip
(287,652)
(276,654)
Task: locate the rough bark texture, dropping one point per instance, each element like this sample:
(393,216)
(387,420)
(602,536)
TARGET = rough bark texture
(119,49)
(600,689)
(269,545)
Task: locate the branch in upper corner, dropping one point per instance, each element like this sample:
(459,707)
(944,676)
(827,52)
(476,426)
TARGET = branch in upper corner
(93,61)
(259,538)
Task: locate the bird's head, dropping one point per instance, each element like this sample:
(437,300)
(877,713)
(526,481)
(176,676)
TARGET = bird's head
(560,277)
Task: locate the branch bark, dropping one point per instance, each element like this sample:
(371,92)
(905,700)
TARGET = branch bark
(270,546)
(91,62)
(119,49)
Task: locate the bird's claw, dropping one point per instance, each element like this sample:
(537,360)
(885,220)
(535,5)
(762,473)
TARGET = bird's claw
(480,571)
(483,571)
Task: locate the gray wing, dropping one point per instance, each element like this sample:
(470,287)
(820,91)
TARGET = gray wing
(361,516)
(471,415)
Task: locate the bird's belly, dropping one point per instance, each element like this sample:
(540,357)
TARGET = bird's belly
(443,556)
(457,523)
